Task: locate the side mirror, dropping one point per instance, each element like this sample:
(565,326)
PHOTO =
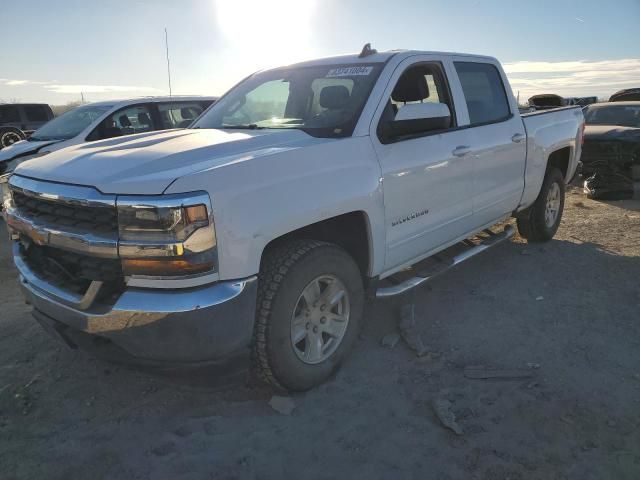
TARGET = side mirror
(417,118)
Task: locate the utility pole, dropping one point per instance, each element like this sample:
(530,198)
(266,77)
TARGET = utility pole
(166,44)
(82,98)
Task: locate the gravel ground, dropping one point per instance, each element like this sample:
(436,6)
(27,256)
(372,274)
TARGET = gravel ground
(564,314)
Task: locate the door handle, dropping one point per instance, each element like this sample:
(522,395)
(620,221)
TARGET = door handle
(517,138)
(461,151)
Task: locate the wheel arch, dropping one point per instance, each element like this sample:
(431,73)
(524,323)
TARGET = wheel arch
(351,231)
(560,159)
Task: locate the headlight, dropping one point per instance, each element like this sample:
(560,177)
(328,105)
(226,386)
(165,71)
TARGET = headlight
(166,236)
(4,191)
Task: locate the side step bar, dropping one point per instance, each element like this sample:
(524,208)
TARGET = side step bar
(492,240)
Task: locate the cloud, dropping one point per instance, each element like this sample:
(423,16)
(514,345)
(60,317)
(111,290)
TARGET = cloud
(15,83)
(56,88)
(573,78)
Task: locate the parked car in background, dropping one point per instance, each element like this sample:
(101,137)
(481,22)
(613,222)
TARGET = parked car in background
(19,120)
(102,120)
(261,227)
(627,95)
(611,151)
(549,100)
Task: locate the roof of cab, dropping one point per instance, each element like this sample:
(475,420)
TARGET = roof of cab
(175,98)
(378,57)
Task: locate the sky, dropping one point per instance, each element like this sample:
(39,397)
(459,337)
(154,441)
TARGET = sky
(55,50)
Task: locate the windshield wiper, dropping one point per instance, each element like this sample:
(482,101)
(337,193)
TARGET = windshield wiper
(248,126)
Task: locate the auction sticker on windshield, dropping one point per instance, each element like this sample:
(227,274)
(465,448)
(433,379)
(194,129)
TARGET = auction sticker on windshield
(349,71)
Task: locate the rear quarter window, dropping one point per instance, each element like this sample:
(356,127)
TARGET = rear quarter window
(484,92)
(36,113)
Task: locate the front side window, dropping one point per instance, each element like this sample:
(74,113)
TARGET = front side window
(179,115)
(622,115)
(127,121)
(484,92)
(36,113)
(324,101)
(9,114)
(70,123)
(422,83)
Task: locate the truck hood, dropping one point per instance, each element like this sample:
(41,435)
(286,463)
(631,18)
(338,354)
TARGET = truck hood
(22,148)
(148,163)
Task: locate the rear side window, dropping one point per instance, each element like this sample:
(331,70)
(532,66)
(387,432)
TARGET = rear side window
(36,113)
(179,115)
(484,92)
(9,114)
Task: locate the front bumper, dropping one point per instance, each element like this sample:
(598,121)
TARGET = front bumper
(181,326)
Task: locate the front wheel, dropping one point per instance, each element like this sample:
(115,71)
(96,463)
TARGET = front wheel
(540,222)
(310,302)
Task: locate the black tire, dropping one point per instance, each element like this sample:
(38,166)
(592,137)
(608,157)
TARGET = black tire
(285,272)
(531,223)
(9,136)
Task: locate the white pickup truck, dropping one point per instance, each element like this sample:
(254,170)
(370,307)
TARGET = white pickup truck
(264,226)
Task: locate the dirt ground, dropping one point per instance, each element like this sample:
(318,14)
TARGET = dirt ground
(566,312)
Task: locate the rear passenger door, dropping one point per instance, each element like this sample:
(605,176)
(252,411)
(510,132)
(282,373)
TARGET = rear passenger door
(10,116)
(496,135)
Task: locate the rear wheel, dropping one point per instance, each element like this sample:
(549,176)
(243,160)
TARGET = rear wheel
(540,222)
(310,301)
(10,135)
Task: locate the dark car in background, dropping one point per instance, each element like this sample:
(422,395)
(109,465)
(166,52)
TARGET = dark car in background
(627,95)
(19,120)
(611,150)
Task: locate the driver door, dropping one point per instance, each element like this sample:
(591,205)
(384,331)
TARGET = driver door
(427,178)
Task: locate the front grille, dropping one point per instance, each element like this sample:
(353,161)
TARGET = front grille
(72,271)
(90,219)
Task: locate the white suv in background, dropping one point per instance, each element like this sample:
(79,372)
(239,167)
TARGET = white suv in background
(102,120)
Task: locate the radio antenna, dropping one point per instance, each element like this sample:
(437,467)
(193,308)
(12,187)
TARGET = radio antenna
(166,44)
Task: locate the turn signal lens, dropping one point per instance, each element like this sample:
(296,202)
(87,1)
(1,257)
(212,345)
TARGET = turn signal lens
(164,268)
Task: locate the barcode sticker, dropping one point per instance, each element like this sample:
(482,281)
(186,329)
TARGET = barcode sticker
(349,71)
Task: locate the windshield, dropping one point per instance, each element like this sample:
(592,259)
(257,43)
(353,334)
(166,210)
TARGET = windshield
(70,123)
(623,115)
(324,101)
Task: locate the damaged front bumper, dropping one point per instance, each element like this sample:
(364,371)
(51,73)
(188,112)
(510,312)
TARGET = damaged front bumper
(181,326)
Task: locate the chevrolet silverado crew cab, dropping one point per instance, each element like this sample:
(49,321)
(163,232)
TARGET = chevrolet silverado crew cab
(303,191)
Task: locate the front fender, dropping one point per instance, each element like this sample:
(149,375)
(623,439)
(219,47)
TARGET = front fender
(258,200)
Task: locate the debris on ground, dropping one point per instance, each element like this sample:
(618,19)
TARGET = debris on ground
(539,299)
(442,409)
(390,340)
(409,330)
(283,405)
(535,366)
(491,373)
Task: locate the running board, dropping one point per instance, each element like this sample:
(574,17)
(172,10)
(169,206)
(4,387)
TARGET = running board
(492,240)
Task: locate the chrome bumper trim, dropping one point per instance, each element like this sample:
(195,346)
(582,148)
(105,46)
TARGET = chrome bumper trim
(195,324)
(83,243)
(63,193)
